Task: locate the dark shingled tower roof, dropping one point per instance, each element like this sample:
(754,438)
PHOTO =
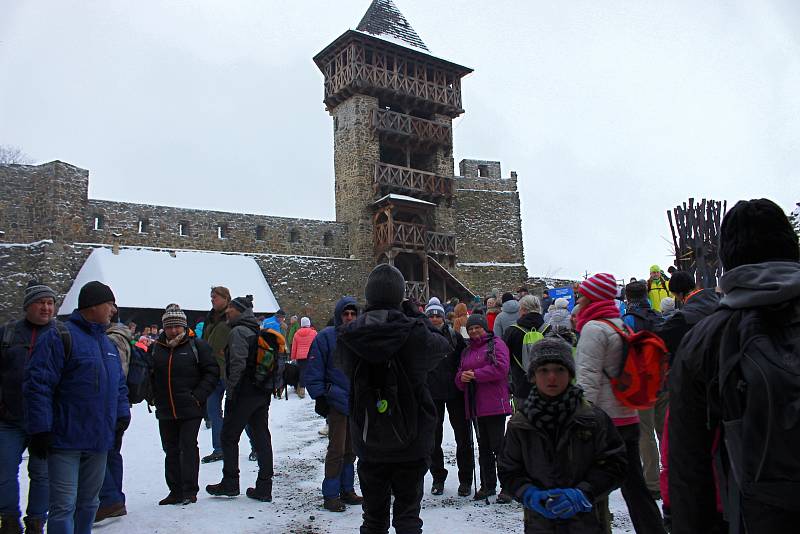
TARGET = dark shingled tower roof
(383,18)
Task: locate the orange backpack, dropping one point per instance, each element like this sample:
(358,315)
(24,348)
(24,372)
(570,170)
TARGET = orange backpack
(644,366)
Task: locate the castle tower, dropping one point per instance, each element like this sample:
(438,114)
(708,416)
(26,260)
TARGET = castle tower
(393,103)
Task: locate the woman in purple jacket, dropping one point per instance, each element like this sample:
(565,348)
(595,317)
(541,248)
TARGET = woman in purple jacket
(483,375)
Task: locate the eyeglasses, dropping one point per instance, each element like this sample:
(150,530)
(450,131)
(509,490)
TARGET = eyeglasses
(349,313)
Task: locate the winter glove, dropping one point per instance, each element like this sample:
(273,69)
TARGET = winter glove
(534,499)
(321,406)
(567,502)
(122,425)
(40,444)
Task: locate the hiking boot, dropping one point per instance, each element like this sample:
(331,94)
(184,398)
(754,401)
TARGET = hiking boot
(112,510)
(171,499)
(33,525)
(484,493)
(9,524)
(253,456)
(213,457)
(464,490)
(323,431)
(263,496)
(351,498)
(190,499)
(334,504)
(225,488)
(437,488)
(504,498)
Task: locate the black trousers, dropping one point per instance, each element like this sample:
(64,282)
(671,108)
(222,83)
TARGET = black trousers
(464,458)
(381,481)
(642,508)
(250,406)
(491,438)
(182,462)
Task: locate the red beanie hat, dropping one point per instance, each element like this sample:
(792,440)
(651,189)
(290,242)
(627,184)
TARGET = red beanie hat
(602,286)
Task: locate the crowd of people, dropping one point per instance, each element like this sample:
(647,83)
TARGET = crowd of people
(531,386)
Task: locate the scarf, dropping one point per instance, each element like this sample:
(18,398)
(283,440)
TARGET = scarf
(602,309)
(550,414)
(177,340)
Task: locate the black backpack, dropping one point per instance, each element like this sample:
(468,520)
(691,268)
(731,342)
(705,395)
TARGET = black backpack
(384,407)
(645,319)
(759,387)
(139,384)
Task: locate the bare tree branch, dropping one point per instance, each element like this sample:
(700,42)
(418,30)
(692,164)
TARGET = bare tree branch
(12,154)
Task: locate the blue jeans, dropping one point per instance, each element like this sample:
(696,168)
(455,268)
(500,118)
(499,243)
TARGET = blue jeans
(75,480)
(13,441)
(214,411)
(111,491)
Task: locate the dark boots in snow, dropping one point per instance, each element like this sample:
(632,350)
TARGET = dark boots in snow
(170,499)
(33,526)
(262,491)
(334,504)
(351,498)
(226,488)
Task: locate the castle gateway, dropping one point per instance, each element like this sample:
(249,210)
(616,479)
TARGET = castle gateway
(397,198)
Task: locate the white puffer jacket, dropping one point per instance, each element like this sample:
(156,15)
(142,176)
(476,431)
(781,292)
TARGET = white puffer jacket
(600,349)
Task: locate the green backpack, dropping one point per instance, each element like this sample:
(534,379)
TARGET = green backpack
(528,341)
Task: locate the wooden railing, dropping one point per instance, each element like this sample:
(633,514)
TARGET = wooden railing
(407,125)
(441,243)
(399,234)
(395,179)
(417,290)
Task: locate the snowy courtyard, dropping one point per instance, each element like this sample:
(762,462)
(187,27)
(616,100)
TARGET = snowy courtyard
(297,505)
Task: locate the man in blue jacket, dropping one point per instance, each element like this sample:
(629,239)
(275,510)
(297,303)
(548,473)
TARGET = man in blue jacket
(76,406)
(328,385)
(18,339)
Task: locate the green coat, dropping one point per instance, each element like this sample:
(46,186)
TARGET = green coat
(215,333)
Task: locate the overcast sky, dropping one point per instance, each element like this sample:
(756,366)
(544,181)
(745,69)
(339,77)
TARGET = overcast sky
(610,112)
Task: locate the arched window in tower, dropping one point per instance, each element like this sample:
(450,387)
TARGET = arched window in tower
(98,221)
(294,235)
(144,226)
(327,239)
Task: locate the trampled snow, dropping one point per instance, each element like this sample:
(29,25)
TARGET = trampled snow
(151,279)
(297,502)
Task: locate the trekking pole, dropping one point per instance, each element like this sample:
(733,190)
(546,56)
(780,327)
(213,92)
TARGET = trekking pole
(473,418)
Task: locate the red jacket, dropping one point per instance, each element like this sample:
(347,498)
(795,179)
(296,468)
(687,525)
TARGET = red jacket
(301,342)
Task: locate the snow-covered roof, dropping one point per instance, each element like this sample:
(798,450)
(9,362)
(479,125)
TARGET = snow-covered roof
(405,198)
(384,20)
(150,279)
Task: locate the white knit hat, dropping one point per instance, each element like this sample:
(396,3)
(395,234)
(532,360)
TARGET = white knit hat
(305,322)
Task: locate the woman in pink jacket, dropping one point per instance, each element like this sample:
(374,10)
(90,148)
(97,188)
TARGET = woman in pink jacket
(301,343)
(483,374)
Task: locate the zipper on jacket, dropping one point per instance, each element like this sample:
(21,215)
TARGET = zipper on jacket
(169,384)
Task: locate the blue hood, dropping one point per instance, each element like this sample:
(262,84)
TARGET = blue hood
(340,306)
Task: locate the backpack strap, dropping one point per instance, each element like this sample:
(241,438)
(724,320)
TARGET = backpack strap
(66,338)
(624,335)
(8,335)
(513,357)
(194,350)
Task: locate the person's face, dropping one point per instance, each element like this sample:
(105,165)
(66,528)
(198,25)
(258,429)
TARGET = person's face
(654,275)
(232,312)
(293,320)
(100,313)
(476,332)
(551,379)
(437,320)
(583,301)
(545,295)
(146,331)
(521,294)
(348,316)
(39,312)
(281,319)
(132,327)
(218,302)
(173,331)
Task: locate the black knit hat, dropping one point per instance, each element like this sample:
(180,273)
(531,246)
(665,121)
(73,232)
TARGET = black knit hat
(551,350)
(681,282)
(636,291)
(385,286)
(756,231)
(35,291)
(478,319)
(94,293)
(242,303)
(506,297)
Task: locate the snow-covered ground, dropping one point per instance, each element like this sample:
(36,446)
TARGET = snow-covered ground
(297,503)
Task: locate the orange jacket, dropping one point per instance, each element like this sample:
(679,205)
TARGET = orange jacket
(301,342)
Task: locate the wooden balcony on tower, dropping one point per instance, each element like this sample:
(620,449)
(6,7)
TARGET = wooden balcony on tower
(441,243)
(403,235)
(407,128)
(405,180)
(417,291)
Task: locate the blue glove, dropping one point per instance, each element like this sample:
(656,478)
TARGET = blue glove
(533,500)
(566,502)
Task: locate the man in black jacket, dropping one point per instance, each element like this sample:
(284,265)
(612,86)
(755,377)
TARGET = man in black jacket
(18,339)
(530,318)
(387,353)
(445,394)
(693,305)
(757,468)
